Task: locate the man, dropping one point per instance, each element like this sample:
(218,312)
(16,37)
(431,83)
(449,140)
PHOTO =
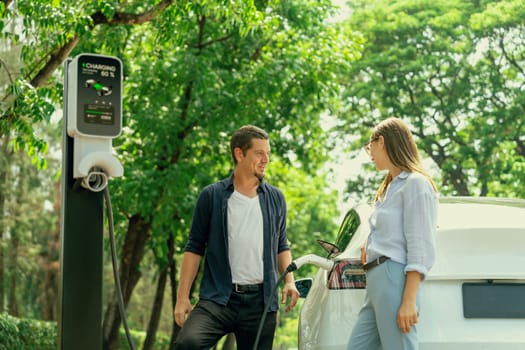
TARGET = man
(239,225)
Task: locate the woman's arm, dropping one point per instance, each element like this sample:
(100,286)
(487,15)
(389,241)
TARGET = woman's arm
(407,315)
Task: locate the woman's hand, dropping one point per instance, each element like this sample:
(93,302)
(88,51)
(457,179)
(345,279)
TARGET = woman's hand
(363,253)
(407,316)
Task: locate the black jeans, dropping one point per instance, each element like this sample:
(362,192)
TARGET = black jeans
(209,322)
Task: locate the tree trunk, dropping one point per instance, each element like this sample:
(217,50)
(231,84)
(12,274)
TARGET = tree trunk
(2,267)
(173,283)
(13,267)
(132,253)
(4,167)
(456,177)
(458,180)
(2,291)
(172,268)
(153,324)
(51,263)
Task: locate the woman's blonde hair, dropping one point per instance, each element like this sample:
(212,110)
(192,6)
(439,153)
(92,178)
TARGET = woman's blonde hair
(401,150)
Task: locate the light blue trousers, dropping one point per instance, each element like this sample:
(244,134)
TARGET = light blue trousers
(376,327)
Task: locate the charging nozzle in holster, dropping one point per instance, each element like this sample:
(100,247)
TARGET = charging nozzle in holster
(94,162)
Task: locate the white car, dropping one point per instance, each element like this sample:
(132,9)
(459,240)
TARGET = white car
(473,298)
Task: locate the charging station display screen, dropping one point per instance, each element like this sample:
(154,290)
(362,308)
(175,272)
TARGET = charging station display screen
(99,114)
(96,95)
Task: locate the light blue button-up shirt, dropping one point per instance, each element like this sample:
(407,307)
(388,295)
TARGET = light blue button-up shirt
(403,224)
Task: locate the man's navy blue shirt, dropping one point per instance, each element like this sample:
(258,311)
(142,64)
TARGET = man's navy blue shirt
(209,237)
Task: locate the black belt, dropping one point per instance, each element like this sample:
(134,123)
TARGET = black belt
(247,288)
(369,266)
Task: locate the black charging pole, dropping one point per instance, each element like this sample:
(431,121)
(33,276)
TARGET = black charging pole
(81,239)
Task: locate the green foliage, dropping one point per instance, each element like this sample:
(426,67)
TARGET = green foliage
(34,29)
(8,331)
(33,107)
(498,15)
(195,71)
(162,341)
(454,71)
(287,325)
(193,75)
(27,334)
(312,209)
(187,92)
(28,228)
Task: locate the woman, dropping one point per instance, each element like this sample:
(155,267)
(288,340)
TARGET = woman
(399,251)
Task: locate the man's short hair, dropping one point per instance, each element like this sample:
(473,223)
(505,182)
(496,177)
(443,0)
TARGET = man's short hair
(243,137)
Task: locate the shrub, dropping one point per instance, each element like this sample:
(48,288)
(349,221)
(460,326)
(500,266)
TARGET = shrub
(27,334)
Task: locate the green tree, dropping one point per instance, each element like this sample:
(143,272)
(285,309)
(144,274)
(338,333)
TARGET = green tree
(29,234)
(207,83)
(194,72)
(454,71)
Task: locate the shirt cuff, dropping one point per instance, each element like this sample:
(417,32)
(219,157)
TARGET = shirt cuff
(419,268)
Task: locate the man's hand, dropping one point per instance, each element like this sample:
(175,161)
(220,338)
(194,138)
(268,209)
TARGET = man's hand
(182,311)
(290,290)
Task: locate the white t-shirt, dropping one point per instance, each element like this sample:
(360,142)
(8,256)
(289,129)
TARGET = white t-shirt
(245,239)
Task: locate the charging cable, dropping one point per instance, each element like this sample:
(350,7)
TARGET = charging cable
(294,265)
(267,307)
(118,287)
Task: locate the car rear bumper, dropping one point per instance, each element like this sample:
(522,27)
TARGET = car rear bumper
(471,346)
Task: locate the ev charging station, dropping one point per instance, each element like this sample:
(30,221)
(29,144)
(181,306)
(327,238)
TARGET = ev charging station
(92,118)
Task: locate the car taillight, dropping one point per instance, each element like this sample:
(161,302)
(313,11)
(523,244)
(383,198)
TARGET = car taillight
(347,274)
